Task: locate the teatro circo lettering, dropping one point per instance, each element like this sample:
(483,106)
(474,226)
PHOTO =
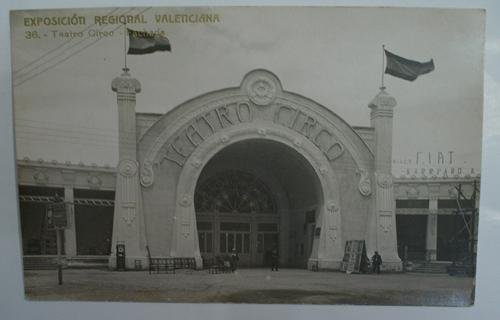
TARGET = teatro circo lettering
(231,114)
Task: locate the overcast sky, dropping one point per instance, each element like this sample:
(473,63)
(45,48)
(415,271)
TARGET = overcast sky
(331,55)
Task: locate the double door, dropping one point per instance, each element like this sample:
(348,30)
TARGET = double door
(252,241)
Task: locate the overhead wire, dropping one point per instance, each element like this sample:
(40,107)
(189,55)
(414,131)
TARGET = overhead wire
(69,56)
(58,47)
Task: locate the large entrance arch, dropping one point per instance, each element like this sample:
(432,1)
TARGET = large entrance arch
(256,195)
(255,122)
(185,227)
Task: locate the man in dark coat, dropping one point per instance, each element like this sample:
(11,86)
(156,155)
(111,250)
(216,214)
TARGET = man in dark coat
(376,262)
(274,259)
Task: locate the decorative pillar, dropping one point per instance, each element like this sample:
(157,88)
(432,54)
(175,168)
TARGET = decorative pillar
(431,235)
(382,226)
(70,231)
(128,225)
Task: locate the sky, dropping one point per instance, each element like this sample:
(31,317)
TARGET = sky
(65,110)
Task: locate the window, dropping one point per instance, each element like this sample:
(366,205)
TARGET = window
(234,226)
(237,240)
(205,241)
(234,192)
(413,203)
(267,227)
(452,204)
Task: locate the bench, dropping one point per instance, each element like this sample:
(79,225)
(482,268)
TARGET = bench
(169,265)
(217,265)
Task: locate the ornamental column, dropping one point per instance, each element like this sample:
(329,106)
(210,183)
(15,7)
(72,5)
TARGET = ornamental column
(382,226)
(128,225)
(431,236)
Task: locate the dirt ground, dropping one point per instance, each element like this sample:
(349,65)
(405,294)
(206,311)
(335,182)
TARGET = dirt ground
(290,286)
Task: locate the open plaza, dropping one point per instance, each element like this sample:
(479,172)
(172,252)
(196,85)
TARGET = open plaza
(256,285)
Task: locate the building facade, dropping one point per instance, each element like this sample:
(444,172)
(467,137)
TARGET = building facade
(253,167)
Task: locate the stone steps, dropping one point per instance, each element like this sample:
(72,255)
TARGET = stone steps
(431,267)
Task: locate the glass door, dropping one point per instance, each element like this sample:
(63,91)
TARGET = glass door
(267,240)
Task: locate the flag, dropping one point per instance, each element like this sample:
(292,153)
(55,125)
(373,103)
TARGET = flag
(406,69)
(143,42)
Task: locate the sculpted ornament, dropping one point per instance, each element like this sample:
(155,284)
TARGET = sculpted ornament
(185,226)
(412,192)
(125,83)
(261,91)
(384,180)
(385,222)
(94,180)
(185,201)
(332,207)
(364,186)
(127,168)
(297,142)
(261,87)
(333,233)
(224,139)
(323,170)
(262,131)
(196,163)
(147,175)
(41,177)
(128,212)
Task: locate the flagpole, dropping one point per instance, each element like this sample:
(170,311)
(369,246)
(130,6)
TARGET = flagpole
(125,46)
(382,87)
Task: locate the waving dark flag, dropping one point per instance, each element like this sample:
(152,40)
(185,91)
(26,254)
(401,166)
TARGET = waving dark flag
(406,69)
(143,42)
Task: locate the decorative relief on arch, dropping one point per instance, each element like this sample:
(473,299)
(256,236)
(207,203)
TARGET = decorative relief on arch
(334,220)
(224,139)
(185,201)
(196,163)
(261,86)
(364,185)
(222,111)
(147,174)
(309,126)
(332,207)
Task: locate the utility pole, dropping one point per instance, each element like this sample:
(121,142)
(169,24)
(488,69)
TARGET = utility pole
(57,215)
(469,264)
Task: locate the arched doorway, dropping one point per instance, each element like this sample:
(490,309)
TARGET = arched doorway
(318,168)
(255,195)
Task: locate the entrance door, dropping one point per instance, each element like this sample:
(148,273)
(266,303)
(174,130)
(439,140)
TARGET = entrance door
(235,235)
(267,240)
(412,232)
(228,205)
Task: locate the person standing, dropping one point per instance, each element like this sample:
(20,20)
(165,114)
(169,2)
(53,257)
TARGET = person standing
(376,262)
(274,259)
(234,260)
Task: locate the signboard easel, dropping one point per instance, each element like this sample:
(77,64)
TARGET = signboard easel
(354,256)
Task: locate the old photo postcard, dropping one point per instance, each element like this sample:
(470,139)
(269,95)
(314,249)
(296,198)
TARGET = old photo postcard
(291,155)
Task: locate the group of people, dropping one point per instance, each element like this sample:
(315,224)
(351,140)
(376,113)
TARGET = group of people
(273,254)
(376,260)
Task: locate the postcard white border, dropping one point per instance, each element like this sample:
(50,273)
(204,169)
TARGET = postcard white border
(14,306)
